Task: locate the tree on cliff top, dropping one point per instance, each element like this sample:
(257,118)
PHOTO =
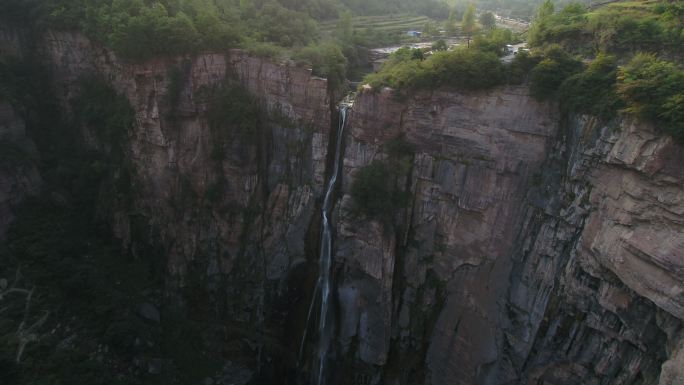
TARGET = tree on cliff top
(487,20)
(468,23)
(654,89)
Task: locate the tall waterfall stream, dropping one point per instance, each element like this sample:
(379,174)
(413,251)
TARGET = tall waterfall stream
(324,284)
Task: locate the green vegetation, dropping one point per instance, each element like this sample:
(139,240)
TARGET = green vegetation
(468,69)
(139,29)
(648,86)
(83,288)
(654,89)
(86,289)
(60,252)
(376,189)
(518,9)
(231,112)
(547,76)
(520,67)
(326,59)
(372,192)
(494,40)
(487,20)
(451,26)
(593,91)
(622,27)
(392,23)
(440,45)
(101,109)
(468,25)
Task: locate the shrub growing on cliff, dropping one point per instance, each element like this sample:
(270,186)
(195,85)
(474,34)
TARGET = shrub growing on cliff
(592,91)
(231,110)
(549,27)
(376,191)
(547,76)
(371,190)
(618,28)
(654,89)
(326,60)
(518,70)
(467,69)
(263,50)
(107,114)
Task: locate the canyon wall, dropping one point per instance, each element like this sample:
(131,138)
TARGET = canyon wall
(536,248)
(228,212)
(172,143)
(533,248)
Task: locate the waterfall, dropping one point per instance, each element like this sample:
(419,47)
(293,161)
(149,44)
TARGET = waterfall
(324,284)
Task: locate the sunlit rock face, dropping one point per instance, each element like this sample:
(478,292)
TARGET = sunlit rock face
(534,248)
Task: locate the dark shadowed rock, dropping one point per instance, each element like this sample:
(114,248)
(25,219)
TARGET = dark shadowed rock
(149,312)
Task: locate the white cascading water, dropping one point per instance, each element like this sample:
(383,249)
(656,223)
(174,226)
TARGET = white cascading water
(324,284)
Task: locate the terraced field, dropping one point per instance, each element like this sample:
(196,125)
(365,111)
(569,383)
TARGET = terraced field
(387,23)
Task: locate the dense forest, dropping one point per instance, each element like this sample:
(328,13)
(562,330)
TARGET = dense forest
(136,28)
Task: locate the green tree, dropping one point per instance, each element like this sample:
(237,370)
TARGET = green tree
(440,45)
(345,28)
(488,20)
(593,91)
(494,41)
(325,59)
(430,29)
(540,23)
(545,10)
(547,76)
(468,22)
(450,26)
(247,8)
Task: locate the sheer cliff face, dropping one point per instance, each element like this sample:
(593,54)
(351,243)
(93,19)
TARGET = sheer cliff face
(598,282)
(436,283)
(280,171)
(535,248)
(230,213)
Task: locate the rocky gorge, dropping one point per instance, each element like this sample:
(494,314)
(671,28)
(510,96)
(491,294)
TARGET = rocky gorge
(533,246)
